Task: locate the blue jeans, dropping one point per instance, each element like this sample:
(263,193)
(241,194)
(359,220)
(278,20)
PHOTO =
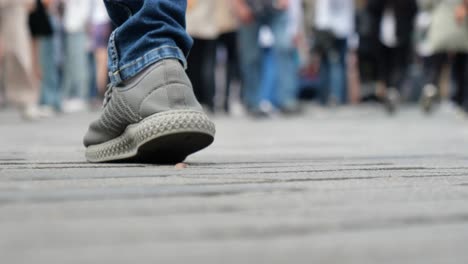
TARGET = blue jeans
(147,32)
(333,73)
(76,77)
(50,92)
(269,77)
(252,58)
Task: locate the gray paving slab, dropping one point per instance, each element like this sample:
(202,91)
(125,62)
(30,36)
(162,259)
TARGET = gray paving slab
(344,185)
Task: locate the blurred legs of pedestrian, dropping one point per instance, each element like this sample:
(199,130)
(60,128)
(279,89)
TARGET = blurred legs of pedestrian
(268,81)
(229,41)
(75,83)
(2,76)
(393,68)
(433,69)
(50,86)
(287,68)
(250,54)
(94,98)
(150,112)
(251,59)
(333,72)
(201,70)
(393,65)
(101,34)
(460,73)
(19,84)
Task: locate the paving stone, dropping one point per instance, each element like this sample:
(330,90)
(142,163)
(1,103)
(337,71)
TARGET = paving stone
(348,185)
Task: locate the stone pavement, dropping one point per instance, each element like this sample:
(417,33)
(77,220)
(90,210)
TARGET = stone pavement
(349,185)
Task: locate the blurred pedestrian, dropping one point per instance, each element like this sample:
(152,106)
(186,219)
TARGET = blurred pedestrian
(18,73)
(447,41)
(42,30)
(76,77)
(395,22)
(211,23)
(228,38)
(101,30)
(274,14)
(334,24)
(203,27)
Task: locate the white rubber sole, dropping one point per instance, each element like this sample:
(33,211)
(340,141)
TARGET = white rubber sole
(164,138)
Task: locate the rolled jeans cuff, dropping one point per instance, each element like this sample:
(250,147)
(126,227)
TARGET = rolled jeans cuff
(118,74)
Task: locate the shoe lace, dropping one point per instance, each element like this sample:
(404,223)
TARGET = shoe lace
(108,94)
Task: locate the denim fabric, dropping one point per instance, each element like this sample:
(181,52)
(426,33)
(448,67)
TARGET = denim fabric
(269,77)
(283,53)
(50,92)
(333,73)
(147,32)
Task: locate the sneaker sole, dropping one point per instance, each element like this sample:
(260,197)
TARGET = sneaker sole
(163,138)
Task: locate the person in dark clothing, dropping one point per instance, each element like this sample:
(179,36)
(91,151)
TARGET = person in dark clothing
(447,39)
(392,25)
(229,41)
(42,31)
(201,70)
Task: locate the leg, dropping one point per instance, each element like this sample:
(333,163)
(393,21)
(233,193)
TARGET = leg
(149,31)
(201,70)
(250,56)
(49,84)
(433,68)
(324,69)
(338,71)
(208,73)
(431,91)
(100,55)
(19,85)
(194,70)
(268,84)
(81,70)
(460,72)
(233,71)
(387,79)
(150,112)
(284,52)
(101,33)
(401,59)
(68,68)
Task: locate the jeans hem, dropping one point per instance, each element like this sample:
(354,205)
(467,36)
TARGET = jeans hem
(131,69)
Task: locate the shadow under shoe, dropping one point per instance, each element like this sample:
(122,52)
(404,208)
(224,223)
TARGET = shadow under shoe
(154,117)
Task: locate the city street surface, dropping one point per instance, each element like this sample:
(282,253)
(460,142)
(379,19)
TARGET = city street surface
(346,185)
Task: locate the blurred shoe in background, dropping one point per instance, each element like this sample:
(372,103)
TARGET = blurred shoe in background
(429,97)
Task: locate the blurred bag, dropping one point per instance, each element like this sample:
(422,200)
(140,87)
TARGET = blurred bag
(445,34)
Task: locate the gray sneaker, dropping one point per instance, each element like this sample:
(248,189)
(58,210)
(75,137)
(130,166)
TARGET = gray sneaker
(154,117)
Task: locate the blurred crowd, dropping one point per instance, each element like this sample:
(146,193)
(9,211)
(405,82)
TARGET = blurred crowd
(262,57)
(53,55)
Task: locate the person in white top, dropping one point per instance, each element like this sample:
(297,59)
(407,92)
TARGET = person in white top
(336,16)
